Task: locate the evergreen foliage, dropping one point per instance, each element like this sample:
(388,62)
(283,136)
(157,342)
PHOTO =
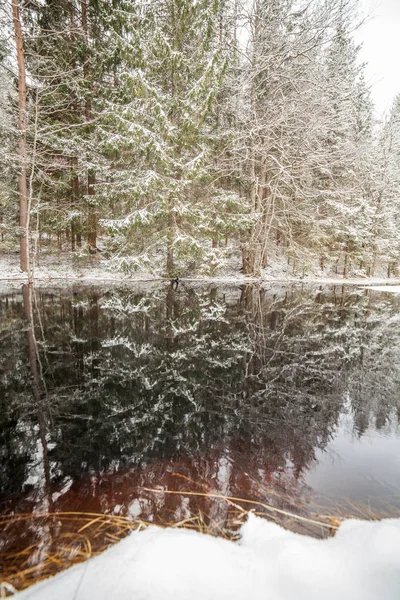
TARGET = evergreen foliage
(186,131)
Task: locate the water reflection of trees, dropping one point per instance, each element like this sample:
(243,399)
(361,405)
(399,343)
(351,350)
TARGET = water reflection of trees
(145,384)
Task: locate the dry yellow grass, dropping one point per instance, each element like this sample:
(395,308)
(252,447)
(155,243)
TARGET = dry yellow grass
(68,538)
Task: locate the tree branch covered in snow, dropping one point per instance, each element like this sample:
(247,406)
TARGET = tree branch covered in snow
(184,131)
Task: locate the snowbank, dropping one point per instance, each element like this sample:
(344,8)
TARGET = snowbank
(394,289)
(362,562)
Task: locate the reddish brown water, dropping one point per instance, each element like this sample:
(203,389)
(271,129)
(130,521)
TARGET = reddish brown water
(113,400)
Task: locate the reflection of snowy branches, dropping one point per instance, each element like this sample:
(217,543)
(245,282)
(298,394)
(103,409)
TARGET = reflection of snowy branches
(136,376)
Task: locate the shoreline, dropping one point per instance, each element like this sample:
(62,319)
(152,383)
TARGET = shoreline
(53,270)
(239,280)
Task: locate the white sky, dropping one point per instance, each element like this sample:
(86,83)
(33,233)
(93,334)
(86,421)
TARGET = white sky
(380,37)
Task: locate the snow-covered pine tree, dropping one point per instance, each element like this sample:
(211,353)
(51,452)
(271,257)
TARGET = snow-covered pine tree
(227,216)
(385,221)
(346,135)
(71,62)
(159,137)
(186,139)
(8,138)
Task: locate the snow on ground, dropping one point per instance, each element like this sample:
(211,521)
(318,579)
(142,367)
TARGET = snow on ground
(68,267)
(65,267)
(394,289)
(361,562)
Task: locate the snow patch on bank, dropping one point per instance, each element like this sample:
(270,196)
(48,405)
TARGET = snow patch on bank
(361,562)
(394,289)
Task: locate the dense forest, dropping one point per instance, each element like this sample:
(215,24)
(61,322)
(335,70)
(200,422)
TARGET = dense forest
(176,134)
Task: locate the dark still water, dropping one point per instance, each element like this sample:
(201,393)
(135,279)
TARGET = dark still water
(285,396)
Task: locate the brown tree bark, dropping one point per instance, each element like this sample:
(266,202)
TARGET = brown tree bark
(75,196)
(346,264)
(22,150)
(91,177)
(76,225)
(92,215)
(170,258)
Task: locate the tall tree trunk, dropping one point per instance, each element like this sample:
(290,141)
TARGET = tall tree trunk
(72,236)
(170,257)
(92,216)
(75,196)
(372,266)
(76,226)
(346,264)
(91,177)
(22,150)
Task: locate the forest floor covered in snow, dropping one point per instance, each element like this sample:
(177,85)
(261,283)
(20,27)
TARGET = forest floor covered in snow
(70,267)
(361,562)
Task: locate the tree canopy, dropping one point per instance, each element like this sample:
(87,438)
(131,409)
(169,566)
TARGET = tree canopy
(185,132)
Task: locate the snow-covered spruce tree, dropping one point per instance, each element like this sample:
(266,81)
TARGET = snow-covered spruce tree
(8,140)
(232,217)
(343,181)
(160,139)
(385,221)
(71,61)
(47,51)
